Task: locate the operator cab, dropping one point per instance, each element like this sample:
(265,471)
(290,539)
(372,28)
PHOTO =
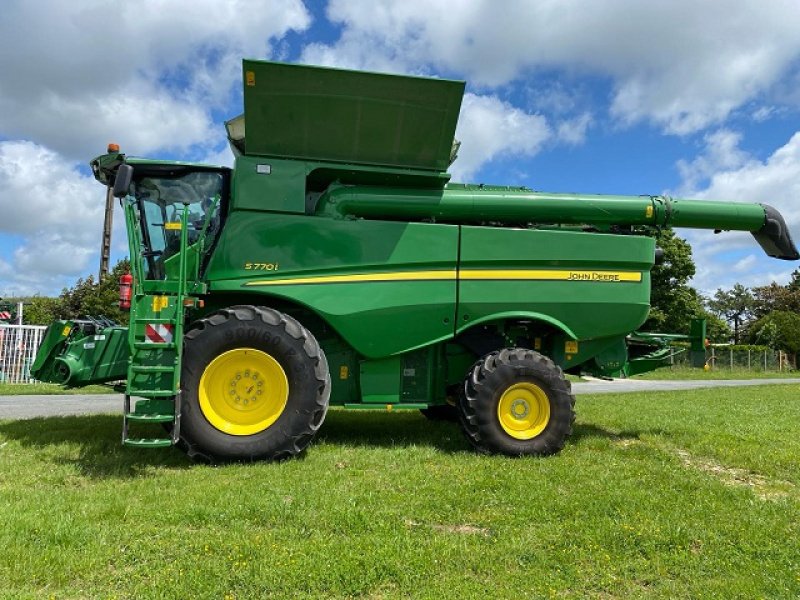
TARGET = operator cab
(157,192)
(159,197)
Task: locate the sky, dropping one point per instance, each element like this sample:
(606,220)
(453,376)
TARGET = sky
(679,97)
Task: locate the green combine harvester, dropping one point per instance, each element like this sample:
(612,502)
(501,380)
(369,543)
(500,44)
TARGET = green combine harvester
(336,264)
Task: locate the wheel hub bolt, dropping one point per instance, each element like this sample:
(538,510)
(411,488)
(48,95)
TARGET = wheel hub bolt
(520,408)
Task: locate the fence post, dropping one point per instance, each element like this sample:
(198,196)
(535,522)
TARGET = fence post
(765,360)
(731,351)
(748,359)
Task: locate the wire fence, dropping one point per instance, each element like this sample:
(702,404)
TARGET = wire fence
(18,346)
(740,359)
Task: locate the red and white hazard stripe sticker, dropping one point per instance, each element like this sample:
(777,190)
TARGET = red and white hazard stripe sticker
(5,315)
(157,334)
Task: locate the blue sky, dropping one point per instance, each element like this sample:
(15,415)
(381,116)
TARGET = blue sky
(609,96)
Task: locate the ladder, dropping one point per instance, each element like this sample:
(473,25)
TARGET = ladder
(155,339)
(154,370)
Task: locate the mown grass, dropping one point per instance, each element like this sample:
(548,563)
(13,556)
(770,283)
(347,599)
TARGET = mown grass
(50,389)
(669,495)
(717,373)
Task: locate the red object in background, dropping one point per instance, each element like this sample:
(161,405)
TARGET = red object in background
(125,286)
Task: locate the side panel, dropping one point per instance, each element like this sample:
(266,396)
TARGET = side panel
(596,285)
(280,186)
(385,287)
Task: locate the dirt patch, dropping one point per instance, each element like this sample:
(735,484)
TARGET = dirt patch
(462,529)
(626,442)
(763,487)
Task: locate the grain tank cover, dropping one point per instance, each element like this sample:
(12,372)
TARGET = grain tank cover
(316,113)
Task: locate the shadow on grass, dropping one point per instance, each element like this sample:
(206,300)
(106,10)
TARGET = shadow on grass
(100,454)
(390,430)
(97,438)
(380,429)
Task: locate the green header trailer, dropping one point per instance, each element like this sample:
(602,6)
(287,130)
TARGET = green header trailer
(336,264)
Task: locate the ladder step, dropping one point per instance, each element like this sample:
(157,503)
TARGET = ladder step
(148,442)
(150,393)
(152,418)
(149,320)
(154,345)
(151,369)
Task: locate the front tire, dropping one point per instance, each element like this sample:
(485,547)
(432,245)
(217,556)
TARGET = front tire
(516,402)
(255,385)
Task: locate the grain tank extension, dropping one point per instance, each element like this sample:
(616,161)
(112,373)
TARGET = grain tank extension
(336,264)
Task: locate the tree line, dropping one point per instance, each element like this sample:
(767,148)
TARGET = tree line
(89,297)
(766,315)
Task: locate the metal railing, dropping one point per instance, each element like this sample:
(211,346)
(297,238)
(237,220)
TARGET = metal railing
(722,358)
(18,346)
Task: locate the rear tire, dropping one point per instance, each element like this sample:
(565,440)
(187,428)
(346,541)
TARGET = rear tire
(255,385)
(516,402)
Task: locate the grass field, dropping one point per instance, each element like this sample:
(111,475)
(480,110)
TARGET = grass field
(718,373)
(669,495)
(50,389)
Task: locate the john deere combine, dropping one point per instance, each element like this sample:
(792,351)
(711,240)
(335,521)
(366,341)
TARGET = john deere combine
(336,264)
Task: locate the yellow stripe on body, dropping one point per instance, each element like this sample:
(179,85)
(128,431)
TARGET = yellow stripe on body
(362,278)
(550,275)
(464,275)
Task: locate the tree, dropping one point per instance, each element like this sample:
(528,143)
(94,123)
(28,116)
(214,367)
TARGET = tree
(673,303)
(772,297)
(779,329)
(734,305)
(794,284)
(40,310)
(95,299)
(717,329)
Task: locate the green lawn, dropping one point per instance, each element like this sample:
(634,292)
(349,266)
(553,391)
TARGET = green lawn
(50,389)
(669,495)
(718,373)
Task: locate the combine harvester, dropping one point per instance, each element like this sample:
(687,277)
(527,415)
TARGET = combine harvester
(336,264)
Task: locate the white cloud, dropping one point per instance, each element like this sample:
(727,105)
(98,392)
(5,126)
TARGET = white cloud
(141,118)
(730,174)
(56,210)
(573,131)
(774,181)
(745,264)
(489,128)
(683,65)
(78,74)
(721,153)
(150,75)
(39,190)
(763,113)
(223,157)
(713,273)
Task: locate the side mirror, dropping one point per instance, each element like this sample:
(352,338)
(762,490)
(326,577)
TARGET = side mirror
(122,181)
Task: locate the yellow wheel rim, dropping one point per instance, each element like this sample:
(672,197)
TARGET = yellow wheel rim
(243,391)
(524,410)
